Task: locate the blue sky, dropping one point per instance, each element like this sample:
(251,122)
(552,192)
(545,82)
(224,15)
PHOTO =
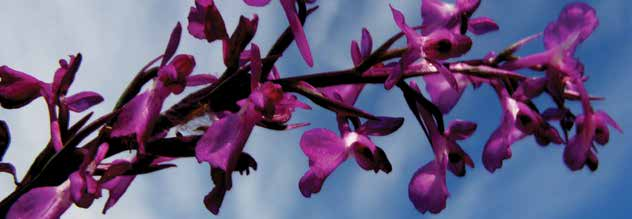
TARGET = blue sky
(118,37)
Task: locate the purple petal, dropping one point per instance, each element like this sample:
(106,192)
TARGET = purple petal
(606,118)
(214,199)
(577,150)
(172,46)
(255,66)
(528,61)
(400,20)
(224,141)
(297,30)
(174,75)
(5,138)
(326,151)
(427,189)
(356,55)
(481,25)
(244,32)
(436,14)
(394,76)
(17,89)
(442,93)
(116,188)
(257,3)
(131,117)
(205,21)
(83,101)
(283,109)
(576,18)
(200,79)
(498,146)
(65,75)
(530,88)
(43,202)
(116,168)
(553,114)
(138,116)
(348,93)
(322,143)
(381,127)
(460,129)
(367,43)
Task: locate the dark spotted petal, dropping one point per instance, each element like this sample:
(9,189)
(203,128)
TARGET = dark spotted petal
(527,120)
(245,162)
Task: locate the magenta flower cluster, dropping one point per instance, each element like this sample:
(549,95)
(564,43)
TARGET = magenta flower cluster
(213,123)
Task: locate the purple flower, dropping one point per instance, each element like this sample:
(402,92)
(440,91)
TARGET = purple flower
(83,187)
(326,151)
(289,6)
(65,75)
(591,127)
(438,45)
(518,121)
(427,189)
(498,146)
(223,143)
(205,21)
(139,115)
(575,23)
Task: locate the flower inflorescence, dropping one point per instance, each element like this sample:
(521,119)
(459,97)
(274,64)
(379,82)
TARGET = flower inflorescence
(214,123)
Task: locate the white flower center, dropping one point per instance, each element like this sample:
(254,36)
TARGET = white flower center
(350,138)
